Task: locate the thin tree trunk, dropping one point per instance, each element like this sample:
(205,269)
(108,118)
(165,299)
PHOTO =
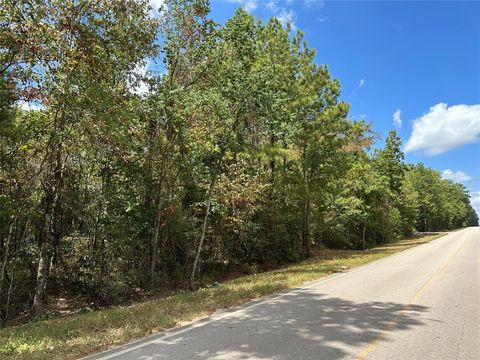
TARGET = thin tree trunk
(43,270)
(306,231)
(156,231)
(9,295)
(50,240)
(6,253)
(204,227)
(52,226)
(148,200)
(166,152)
(148,179)
(156,235)
(363,235)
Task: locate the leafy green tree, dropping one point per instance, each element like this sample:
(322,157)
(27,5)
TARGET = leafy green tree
(389,161)
(365,204)
(63,54)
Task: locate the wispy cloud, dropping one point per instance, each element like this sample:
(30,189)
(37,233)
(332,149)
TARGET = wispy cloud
(283,14)
(279,9)
(314,3)
(358,117)
(354,93)
(457,176)
(397,27)
(271,5)
(286,16)
(444,128)
(321,19)
(157,7)
(397,120)
(248,5)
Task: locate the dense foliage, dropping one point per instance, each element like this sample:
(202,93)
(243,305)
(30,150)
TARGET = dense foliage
(240,155)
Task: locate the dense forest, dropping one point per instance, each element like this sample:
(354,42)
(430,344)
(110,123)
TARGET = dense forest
(235,155)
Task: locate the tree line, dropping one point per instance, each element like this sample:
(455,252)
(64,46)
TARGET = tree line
(237,155)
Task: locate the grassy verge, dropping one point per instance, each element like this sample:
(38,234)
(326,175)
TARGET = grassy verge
(72,336)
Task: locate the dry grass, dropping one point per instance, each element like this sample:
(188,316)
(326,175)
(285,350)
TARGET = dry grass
(80,334)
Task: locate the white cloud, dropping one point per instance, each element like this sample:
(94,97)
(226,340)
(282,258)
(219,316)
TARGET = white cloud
(397,27)
(457,176)
(272,6)
(314,3)
(138,85)
(287,16)
(248,5)
(358,117)
(360,84)
(283,14)
(444,128)
(156,6)
(397,120)
(475,201)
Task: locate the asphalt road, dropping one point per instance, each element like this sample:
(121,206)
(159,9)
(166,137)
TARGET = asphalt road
(423,303)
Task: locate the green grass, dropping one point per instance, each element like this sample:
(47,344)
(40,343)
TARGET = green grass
(80,334)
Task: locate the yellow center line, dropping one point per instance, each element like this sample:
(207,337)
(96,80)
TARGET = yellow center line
(391,324)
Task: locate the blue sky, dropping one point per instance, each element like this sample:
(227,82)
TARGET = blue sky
(420,60)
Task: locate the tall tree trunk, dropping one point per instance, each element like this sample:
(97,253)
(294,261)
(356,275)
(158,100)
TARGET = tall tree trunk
(102,214)
(148,178)
(154,245)
(51,239)
(148,199)
(6,252)
(9,296)
(157,226)
(166,153)
(307,212)
(363,235)
(204,227)
(52,218)
(306,231)
(43,270)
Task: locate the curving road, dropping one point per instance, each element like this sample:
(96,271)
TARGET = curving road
(423,303)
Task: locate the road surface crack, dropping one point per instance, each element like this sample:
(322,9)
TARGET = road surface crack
(461,338)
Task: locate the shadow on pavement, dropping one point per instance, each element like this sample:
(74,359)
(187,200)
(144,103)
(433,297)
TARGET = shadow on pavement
(301,325)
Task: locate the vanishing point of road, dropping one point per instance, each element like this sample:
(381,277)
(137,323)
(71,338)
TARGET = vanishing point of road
(423,303)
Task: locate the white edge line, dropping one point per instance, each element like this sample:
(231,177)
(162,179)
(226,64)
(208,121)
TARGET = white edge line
(200,323)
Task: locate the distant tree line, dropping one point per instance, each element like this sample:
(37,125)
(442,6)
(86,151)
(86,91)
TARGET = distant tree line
(239,155)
